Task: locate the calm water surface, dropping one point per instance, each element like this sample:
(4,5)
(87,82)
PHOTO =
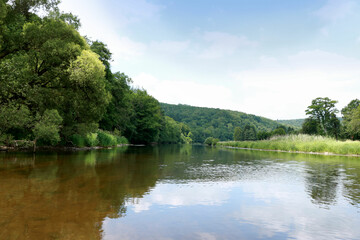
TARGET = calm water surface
(178,192)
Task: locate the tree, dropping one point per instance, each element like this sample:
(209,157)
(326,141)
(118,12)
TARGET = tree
(263,135)
(87,101)
(45,64)
(147,118)
(171,131)
(278,132)
(354,121)
(347,114)
(249,133)
(13,16)
(324,112)
(105,55)
(310,126)
(237,134)
(119,112)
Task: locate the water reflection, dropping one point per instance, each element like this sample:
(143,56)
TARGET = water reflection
(178,192)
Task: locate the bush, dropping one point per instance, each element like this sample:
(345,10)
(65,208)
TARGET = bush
(211,141)
(106,139)
(121,140)
(78,140)
(91,140)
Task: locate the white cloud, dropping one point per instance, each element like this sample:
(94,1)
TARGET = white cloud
(303,222)
(283,89)
(170,47)
(206,194)
(335,9)
(223,44)
(185,92)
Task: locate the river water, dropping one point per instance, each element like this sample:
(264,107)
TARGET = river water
(178,192)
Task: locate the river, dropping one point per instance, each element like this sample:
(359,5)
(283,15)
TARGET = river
(178,192)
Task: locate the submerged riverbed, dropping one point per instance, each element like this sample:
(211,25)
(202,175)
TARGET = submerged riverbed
(178,192)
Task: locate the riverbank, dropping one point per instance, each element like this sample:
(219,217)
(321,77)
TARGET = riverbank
(300,144)
(57,148)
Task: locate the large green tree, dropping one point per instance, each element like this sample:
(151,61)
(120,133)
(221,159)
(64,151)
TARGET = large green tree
(147,118)
(46,65)
(324,112)
(348,114)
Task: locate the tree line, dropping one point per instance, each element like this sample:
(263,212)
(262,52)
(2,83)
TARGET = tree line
(323,119)
(57,87)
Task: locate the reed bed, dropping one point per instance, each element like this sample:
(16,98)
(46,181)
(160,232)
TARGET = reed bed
(301,143)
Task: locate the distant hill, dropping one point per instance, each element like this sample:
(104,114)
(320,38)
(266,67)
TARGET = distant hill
(214,122)
(295,123)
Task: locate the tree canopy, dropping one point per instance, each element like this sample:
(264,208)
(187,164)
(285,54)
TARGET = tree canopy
(56,85)
(323,112)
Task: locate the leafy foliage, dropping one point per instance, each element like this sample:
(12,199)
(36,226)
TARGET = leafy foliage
(349,129)
(237,134)
(211,141)
(174,132)
(47,127)
(323,111)
(147,118)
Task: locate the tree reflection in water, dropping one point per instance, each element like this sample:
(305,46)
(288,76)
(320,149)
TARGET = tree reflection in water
(69,195)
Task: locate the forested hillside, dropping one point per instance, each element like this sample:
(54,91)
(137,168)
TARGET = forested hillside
(295,123)
(218,123)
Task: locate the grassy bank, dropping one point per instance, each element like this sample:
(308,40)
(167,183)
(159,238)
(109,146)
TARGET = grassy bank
(301,143)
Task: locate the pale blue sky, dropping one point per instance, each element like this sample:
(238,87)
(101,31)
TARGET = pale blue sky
(265,57)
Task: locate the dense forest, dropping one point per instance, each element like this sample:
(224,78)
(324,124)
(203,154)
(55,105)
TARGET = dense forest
(218,123)
(57,87)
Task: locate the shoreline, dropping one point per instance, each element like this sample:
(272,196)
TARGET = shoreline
(59,149)
(298,152)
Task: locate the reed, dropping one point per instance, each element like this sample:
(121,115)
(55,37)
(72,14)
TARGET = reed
(301,143)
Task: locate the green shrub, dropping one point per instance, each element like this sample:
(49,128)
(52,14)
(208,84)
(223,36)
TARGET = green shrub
(77,140)
(121,140)
(91,140)
(106,139)
(211,141)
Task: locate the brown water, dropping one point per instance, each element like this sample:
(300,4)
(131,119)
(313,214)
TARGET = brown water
(178,192)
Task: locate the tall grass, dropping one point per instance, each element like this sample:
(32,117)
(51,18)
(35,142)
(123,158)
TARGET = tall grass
(302,143)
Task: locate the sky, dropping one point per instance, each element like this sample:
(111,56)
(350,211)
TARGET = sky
(268,58)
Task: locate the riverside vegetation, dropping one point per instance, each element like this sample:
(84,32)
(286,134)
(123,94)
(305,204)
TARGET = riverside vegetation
(57,87)
(322,131)
(300,143)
